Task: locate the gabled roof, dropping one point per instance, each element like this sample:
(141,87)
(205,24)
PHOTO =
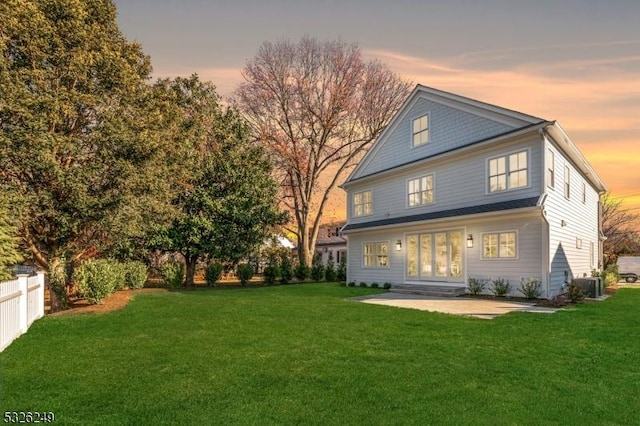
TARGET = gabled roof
(462,211)
(564,142)
(514,119)
(512,133)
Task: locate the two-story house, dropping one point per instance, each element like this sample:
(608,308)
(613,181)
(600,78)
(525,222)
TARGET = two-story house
(331,243)
(457,188)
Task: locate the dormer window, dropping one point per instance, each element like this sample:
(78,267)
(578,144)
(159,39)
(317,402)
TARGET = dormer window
(421,130)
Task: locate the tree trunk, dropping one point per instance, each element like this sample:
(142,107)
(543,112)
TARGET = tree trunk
(191,262)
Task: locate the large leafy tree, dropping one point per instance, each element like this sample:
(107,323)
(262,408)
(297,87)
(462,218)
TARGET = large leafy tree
(317,106)
(228,205)
(79,127)
(9,254)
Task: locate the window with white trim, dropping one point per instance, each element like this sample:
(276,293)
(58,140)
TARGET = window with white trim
(499,245)
(376,255)
(508,172)
(420,191)
(567,183)
(362,203)
(551,178)
(584,193)
(420,130)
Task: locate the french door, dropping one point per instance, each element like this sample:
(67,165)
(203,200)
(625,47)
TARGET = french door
(435,256)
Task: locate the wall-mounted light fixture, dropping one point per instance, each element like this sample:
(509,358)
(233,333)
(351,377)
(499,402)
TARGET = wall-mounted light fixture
(326,249)
(398,245)
(470,241)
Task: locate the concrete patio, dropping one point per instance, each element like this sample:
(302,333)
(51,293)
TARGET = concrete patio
(475,307)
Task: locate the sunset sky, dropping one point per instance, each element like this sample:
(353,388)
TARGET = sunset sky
(574,61)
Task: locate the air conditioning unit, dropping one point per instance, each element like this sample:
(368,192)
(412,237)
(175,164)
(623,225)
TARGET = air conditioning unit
(591,287)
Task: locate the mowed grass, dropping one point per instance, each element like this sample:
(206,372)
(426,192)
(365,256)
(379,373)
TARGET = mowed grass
(303,354)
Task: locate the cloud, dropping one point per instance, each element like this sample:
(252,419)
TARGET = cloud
(596,99)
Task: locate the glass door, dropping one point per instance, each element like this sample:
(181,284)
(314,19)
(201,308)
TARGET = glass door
(436,256)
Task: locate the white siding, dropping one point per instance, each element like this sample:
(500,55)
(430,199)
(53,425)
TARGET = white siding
(528,263)
(569,220)
(459,181)
(449,128)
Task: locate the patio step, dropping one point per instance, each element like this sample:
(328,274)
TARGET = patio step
(428,290)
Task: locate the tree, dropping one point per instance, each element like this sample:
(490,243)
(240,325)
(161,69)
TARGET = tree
(316,107)
(80,130)
(228,205)
(620,227)
(9,254)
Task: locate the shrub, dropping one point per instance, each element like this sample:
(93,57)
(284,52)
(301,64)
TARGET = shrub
(97,279)
(330,270)
(363,284)
(610,275)
(270,274)
(173,273)
(341,273)
(118,271)
(302,271)
(531,289)
(135,274)
(351,284)
(375,285)
(386,286)
(317,270)
(286,269)
(244,273)
(213,273)
(574,292)
(476,285)
(58,283)
(499,287)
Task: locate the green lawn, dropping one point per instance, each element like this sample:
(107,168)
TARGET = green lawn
(302,354)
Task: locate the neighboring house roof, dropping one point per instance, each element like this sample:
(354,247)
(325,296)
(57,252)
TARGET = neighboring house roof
(335,239)
(463,211)
(284,242)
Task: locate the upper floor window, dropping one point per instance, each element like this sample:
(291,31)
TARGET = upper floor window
(376,255)
(551,181)
(508,172)
(499,245)
(567,183)
(420,190)
(584,193)
(362,204)
(421,130)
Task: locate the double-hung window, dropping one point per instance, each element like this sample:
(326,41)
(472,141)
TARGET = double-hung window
(567,182)
(376,255)
(508,172)
(499,245)
(362,203)
(551,178)
(420,130)
(420,191)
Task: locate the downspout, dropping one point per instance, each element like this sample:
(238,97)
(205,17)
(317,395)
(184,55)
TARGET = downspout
(546,249)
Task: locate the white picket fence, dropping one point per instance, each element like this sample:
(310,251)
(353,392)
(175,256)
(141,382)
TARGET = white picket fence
(21,303)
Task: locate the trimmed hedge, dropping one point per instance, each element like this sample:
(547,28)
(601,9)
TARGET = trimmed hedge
(97,279)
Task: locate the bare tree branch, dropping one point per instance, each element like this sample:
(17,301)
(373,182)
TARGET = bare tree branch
(317,106)
(620,227)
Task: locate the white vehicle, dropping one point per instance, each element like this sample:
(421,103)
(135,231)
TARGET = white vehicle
(629,268)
